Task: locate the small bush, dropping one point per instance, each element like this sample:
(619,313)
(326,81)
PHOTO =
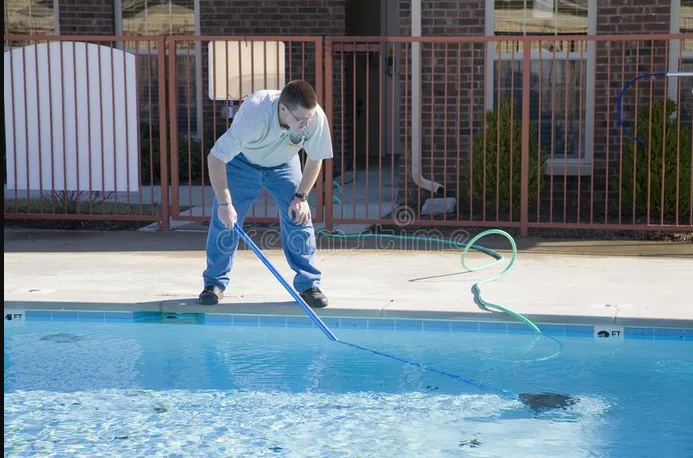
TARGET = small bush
(643,165)
(190,158)
(503,141)
(85,203)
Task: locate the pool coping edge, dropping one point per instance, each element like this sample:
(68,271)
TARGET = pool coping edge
(287,309)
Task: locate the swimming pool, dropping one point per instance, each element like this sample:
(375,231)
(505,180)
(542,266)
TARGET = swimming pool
(150,384)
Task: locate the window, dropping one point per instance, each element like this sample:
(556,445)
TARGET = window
(31,17)
(681,58)
(562,80)
(165,17)
(158,17)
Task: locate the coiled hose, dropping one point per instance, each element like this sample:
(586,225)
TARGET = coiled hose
(476,287)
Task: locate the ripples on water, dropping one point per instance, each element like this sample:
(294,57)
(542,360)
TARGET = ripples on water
(172,390)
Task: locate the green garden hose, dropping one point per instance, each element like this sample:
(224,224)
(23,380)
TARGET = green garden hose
(476,288)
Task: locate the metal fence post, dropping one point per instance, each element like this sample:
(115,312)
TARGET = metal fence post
(524,163)
(328,171)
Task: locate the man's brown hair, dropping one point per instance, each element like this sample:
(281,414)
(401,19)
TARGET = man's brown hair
(298,93)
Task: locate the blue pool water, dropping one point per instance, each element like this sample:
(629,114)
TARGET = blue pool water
(179,389)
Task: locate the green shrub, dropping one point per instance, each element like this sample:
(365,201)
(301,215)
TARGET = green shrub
(190,158)
(503,141)
(644,164)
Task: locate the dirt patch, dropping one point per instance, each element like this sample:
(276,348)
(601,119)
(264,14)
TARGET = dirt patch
(74,212)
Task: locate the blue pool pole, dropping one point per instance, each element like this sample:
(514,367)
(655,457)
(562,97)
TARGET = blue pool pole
(536,399)
(316,319)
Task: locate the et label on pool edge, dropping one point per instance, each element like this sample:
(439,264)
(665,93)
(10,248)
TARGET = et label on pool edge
(608,332)
(14,317)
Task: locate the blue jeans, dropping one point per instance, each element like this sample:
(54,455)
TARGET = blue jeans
(245,181)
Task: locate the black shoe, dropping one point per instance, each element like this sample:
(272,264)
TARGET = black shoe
(211,295)
(314,297)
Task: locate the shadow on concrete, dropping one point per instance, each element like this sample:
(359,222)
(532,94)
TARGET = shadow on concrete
(193,242)
(44,241)
(437,277)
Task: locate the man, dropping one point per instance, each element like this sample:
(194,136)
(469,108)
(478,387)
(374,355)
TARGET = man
(260,150)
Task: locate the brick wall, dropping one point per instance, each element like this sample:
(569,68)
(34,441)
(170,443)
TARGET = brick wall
(278,17)
(86,17)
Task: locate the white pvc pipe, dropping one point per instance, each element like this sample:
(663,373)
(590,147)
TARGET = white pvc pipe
(416,103)
(679,74)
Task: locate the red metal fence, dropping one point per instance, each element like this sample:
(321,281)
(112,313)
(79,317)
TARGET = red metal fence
(459,131)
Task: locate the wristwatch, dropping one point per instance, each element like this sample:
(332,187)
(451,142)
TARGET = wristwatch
(300,196)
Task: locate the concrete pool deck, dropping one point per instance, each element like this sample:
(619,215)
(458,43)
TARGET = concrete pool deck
(551,282)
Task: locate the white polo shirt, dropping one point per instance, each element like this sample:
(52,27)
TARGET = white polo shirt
(256,132)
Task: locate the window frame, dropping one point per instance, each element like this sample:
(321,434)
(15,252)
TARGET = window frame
(674,50)
(56,19)
(560,165)
(195,52)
